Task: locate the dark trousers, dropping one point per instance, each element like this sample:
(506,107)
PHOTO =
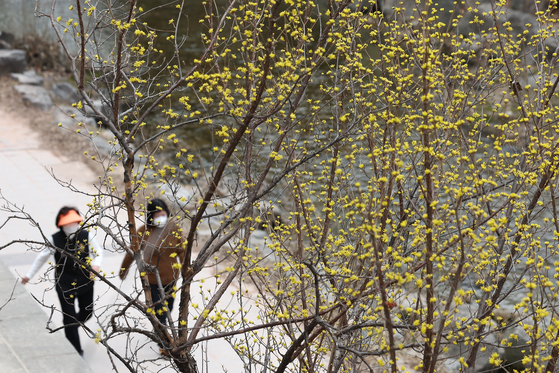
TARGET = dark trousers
(156,297)
(71,318)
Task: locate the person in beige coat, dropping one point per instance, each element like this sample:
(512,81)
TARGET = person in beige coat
(162,244)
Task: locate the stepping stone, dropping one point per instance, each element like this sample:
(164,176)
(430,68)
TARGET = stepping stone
(34,95)
(12,61)
(66,92)
(28,77)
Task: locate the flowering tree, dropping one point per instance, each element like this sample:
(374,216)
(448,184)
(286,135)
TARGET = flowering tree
(404,171)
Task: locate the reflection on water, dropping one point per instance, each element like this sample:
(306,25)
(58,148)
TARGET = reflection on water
(187,27)
(184,34)
(187,42)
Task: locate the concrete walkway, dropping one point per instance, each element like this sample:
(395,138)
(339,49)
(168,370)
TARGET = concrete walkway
(25,346)
(26,180)
(25,343)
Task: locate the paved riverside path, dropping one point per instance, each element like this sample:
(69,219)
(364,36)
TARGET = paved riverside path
(25,346)
(25,180)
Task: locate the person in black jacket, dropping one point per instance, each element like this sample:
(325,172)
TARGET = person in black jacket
(71,245)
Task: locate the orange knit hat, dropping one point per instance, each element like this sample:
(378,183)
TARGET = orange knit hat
(71,217)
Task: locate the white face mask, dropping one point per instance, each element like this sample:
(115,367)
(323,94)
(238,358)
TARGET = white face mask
(70,228)
(160,221)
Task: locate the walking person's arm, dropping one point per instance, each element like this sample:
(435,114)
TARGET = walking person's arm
(38,263)
(128,259)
